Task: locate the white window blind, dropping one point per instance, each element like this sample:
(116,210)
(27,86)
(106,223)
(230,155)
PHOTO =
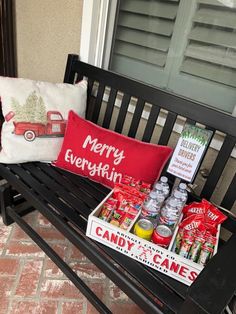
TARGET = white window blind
(142,39)
(187,46)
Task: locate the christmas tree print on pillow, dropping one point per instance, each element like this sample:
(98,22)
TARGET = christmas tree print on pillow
(31,119)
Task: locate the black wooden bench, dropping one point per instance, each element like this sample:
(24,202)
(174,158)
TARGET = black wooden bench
(66,200)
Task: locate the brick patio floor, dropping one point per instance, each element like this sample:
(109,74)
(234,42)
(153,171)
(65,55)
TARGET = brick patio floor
(31,283)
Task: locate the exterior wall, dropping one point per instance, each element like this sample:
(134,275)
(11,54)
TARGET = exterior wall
(46,31)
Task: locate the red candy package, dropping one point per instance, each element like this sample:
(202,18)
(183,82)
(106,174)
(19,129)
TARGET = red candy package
(126,200)
(126,180)
(193,222)
(137,184)
(107,209)
(214,216)
(203,216)
(127,220)
(117,217)
(212,229)
(129,189)
(195,208)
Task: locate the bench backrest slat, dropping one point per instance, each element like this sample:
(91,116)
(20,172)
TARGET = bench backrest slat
(122,113)
(151,123)
(229,198)
(136,117)
(109,108)
(168,128)
(98,102)
(190,121)
(218,167)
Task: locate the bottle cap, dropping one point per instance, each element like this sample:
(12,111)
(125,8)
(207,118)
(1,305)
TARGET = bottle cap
(158,186)
(183,186)
(152,194)
(164,179)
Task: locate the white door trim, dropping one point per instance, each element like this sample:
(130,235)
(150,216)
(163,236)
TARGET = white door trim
(93,31)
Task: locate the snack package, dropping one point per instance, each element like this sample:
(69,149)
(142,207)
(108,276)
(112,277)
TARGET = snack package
(214,216)
(126,201)
(117,217)
(194,208)
(137,184)
(127,220)
(192,222)
(196,237)
(108,209)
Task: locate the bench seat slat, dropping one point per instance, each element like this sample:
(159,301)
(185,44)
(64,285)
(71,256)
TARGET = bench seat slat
(68,185)
(98,191)
(67,212)
(59,190)
(51,198)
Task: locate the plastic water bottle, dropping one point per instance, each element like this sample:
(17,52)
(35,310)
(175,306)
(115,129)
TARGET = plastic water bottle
(169,215)
(182,189)
(164,182)
(150,210)
(160,195)
(177,196)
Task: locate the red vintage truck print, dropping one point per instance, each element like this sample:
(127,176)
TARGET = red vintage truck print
(54,127)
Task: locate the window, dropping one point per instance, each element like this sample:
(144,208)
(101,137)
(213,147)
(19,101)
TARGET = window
(185,46)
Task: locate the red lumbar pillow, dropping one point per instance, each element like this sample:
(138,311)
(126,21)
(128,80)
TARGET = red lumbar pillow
(106,156)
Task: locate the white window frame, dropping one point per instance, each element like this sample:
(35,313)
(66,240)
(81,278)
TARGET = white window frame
(95,42)
(94,39)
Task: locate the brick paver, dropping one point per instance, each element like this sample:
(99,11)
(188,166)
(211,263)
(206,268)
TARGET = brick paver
(31,283)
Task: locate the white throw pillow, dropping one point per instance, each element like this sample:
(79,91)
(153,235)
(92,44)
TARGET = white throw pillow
(35,116)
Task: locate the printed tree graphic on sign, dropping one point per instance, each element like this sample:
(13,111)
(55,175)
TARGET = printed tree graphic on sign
(196,133)
(33,110)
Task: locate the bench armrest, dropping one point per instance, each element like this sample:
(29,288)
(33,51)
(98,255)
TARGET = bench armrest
(216,284)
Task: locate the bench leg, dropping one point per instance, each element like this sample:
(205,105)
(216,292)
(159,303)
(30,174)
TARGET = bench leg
(6,199)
